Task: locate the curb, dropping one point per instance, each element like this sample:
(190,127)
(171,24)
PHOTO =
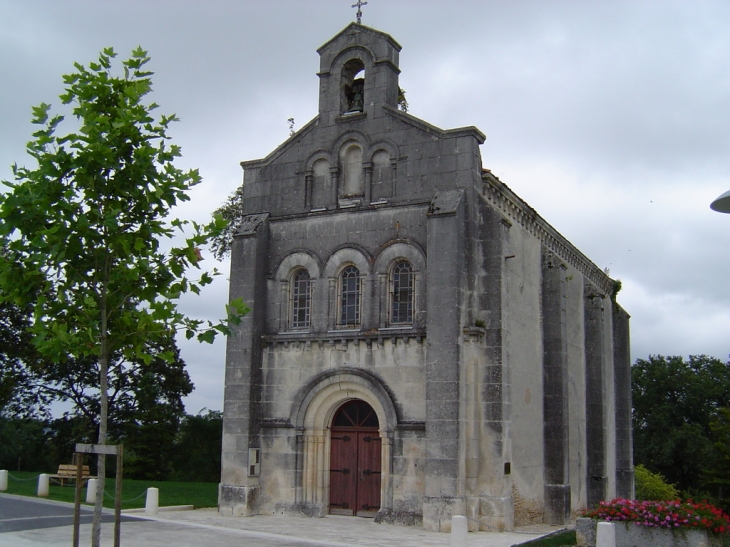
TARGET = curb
(160,509)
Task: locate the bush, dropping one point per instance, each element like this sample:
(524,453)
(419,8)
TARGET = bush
(24,445)
(652,486)
(198,448)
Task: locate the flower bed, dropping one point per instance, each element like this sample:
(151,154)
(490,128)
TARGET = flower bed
(663,514)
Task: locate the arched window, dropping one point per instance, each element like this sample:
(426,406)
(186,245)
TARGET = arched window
(350,296)
(353,86)
(402,293)
(301,299)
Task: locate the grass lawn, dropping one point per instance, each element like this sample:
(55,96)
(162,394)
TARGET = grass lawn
(561,539)
(199,494)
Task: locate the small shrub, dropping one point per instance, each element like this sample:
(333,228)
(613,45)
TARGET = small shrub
(652,486)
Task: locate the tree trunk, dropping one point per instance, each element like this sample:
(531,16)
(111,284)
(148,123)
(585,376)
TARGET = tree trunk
(103,413)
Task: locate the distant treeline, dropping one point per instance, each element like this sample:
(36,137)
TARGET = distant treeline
(186,451)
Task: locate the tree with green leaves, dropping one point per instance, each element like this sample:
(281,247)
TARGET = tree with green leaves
(717,474)
(19,364)
(197,455)
(232,212)
(145,403)
(89,241)
(676,403)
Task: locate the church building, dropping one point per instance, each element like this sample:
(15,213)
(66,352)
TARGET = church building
(422,343)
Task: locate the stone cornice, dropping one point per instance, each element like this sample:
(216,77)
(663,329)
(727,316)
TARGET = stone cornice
(515,210)
(343,337)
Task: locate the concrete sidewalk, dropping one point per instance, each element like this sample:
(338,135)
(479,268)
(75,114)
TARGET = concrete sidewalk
(205,527)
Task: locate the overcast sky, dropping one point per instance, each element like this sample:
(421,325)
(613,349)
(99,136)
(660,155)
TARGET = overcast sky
(611,118)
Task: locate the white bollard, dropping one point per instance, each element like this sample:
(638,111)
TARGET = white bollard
(43,485)
(459,531)
(3,480)
(153,501)
(606,535)
(91,488)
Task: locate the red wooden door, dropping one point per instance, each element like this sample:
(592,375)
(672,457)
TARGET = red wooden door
(368,473)
(343,472)
(355,461)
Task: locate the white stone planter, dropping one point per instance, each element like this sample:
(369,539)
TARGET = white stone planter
(628,534)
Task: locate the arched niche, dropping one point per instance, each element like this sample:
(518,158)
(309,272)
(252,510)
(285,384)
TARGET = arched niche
(353,179)
(321,183)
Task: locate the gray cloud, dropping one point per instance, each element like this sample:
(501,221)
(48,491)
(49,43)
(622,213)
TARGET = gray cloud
(610,118)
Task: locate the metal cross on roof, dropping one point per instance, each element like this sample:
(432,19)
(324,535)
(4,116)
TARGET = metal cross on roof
(359,5)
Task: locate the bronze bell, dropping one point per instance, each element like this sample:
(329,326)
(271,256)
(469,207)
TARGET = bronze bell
(357,96)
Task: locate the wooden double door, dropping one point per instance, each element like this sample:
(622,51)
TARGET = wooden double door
(355,461)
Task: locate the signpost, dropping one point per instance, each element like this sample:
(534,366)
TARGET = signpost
(109,450)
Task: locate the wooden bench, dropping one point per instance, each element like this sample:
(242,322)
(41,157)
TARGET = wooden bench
(67,472)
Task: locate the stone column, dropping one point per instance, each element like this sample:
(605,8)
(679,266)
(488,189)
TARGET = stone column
(555,391)
(622,386)
(493,408)
(383,300)
(332,316)
(445,491)
(284,306)
(595,396)
(238,492)
(334,178)
(393,178)
(368,171)
(308,189)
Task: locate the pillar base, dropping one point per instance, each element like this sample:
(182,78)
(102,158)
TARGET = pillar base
(437,512)
(238,501)
(557,504)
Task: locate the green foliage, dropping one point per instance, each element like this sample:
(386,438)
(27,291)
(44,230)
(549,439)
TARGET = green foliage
(84,228)
(717,475)
(402,101)
(231,211)
(185,449)
(87,231)
(24,444)
(652,486)
(675,402)
(19,363)
(65,432)
(617,286)
(556,539)
(197,454)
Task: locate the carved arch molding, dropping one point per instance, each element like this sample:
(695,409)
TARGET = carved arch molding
(312,415)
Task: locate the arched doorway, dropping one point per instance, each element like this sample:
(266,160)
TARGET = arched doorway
(355,460)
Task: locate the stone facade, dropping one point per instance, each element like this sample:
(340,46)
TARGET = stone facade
(384,264)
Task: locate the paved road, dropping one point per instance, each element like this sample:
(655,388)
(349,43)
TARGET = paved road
(26,522)
(18,514)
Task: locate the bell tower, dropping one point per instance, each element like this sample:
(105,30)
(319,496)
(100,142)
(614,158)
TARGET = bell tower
(358,74)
